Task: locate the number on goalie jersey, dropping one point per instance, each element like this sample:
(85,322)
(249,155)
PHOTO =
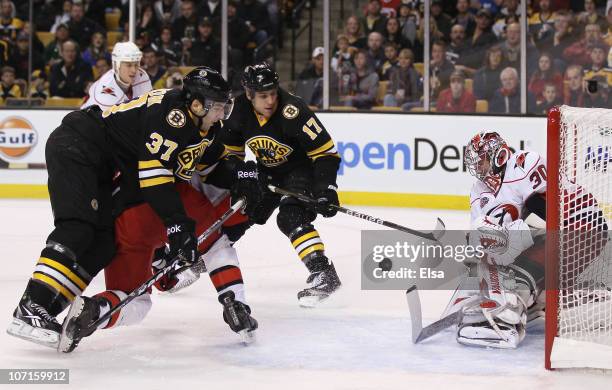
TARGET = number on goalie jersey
(524,176)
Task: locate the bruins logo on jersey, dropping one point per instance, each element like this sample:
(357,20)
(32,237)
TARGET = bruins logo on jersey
(176,118)
(269,151)
(188,158)
(290,111)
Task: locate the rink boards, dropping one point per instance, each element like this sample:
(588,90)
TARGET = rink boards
(388,159)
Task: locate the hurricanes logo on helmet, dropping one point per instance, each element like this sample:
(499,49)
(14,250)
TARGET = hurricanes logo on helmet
(268,151)
(203,73)
(17,137)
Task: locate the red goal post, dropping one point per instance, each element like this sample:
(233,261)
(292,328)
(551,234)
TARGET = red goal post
(578,247)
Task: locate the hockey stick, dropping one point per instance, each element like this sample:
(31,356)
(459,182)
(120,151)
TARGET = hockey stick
(159,274)
(4,164)
(414,306)
(435,235)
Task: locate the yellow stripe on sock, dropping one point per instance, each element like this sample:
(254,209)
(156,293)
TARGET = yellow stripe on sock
(303,238)
(310,249)
(149,164)
(65,271)
(156,181)
(51,282)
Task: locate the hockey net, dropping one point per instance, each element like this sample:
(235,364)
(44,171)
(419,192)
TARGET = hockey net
(579,252)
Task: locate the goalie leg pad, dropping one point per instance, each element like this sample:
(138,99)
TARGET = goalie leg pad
(499,321)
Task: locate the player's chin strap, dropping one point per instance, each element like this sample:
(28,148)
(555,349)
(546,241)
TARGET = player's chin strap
(434,235)
(172,264)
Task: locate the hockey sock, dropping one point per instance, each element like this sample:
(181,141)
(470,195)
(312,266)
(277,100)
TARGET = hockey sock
(228,278)
(223,268)
(309,247)
(57,279)
(109,299)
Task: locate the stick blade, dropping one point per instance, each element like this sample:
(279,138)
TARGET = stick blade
(414,306)
(439,230)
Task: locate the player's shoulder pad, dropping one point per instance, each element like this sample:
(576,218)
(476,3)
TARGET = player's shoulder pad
(292,106)
(105,91)
(173,109)
(477,189)
(141,77)
(524,161)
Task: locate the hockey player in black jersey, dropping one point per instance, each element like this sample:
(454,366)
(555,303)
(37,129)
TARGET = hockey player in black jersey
(294,152)
(152,141)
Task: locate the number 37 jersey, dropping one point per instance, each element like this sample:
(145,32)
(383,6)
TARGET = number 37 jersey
(155,142)
(525,176)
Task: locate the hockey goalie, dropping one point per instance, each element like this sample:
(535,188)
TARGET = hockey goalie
(510,276)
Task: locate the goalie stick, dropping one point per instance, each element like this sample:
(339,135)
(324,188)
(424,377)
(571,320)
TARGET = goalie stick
(435,235)
(414,306)
(159,274)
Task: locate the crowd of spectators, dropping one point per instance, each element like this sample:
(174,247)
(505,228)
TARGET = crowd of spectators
(171,34)
(377,59)
(475,56)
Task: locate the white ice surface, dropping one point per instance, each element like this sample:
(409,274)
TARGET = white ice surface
(360,340)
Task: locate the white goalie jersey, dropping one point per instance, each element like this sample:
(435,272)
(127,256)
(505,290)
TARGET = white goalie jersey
(525,176)
(106,92)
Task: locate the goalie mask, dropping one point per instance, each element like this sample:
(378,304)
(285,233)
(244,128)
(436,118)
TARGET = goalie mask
(486,156)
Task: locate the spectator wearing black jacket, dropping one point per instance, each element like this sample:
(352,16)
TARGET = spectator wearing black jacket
(481,39)
(239,37)
(314,70)
(80,27)
(206,49)
(168,47)
(70,76)
(487,78)
(393,34)
(210,9)
(186,25)
(373,20)
(256,17)
(20,57)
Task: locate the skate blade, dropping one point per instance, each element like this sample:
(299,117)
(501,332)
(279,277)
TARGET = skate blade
(24,331)
(65,341)
(247,337)
(312,301)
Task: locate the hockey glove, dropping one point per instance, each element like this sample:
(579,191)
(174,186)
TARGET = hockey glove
(182,240)
(247,186)
(327,198)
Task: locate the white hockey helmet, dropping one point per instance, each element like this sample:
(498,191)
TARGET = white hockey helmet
(125,52)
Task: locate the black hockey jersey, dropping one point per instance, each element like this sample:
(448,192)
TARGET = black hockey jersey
(154,142)
(292,136)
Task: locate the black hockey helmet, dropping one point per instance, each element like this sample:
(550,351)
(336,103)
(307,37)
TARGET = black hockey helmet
(208,86)
(259,77)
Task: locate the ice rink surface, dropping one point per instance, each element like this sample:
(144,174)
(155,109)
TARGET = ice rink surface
(357,340)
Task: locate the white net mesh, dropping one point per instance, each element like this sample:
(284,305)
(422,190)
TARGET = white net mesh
(585,268)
